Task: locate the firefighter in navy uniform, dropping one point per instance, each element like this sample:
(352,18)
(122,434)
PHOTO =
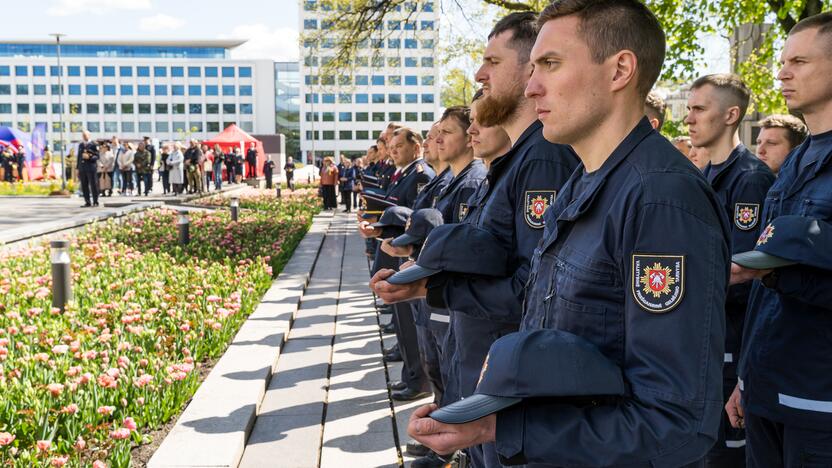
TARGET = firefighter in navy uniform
(634,259)
(784,369)
(87,166)
(716,106)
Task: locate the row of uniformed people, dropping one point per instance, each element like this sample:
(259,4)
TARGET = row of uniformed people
(634,259)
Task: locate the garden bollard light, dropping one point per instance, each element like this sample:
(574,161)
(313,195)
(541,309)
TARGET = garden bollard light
(61,274)
(184,228)
(278,191)
(235,208)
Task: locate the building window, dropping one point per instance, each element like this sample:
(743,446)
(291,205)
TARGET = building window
(128,127)
(409,26)
(345,135)
(329,98)
(144,127)
(344,80)
(229,108)
(194,72)
(245,90)
(362,98)
(143,90)
(376,134)
(427,99)
(160,71)
(162,127)
(411,43)
(75,108)
(394,25)
(378,116)
(6,90)
(177,72)
(329,134)
(144,108)
(94,127)
(92,109)
(362,135)
(227,90)
(196,127)
(309,5)
(378,80)
(328,116)
(309,135)
(22,89)
(394,62)
(394,43)
(427,81)
(310,24)
(143,71)
(345,116)
(362,61)
(74,90)
(244,72)
(125,71)
(39,90)
(411,116)
(56,90)
(394,98)
(213,126)
(177,90)
(394,80)
(427,43)
(378,99)
(361,80)
(160,90)
(345,98)
(161,108)
(109,90)
(178,108)
(427,116)
(428,7)
(411,80)
(179,127)
(311,98)
(195,108)
(328,80)
(5,108)
(427,61)
(110,109)
(212,109)
(411,98)
(111,127)
(362,117)
(92,90)
(378,62)
(246,109)
(90,71)
(310,79)
(126,108)
(309,116)
(395,116)
(427,25)
(74,71)
(212,90)
(40,108)
(108,71)
(211,72)
(228,72)
(310,61)
(4,70)
(194,90)
(126,90)
(411,62)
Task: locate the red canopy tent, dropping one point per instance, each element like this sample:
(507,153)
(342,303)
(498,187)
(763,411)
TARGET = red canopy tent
(234,137)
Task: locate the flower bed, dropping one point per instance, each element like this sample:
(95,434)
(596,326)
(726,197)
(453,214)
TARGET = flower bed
(34,188)
(80,387)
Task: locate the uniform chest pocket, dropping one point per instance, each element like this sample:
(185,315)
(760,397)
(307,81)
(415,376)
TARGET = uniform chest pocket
(816,208)
(587,321)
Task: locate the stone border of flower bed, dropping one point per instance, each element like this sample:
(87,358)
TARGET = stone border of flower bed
(24,233)
(213,428)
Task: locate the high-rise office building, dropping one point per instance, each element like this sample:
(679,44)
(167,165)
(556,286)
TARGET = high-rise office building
(395,78)
(287,105)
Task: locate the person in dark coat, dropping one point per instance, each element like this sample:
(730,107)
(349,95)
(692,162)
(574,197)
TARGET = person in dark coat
(87,169)
(251,162)
(346,176)
(268,172)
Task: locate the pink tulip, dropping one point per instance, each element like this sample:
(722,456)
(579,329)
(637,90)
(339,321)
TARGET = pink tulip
(55,389)
(106,410)
(43,445)
(60,349)
(120,433)
(144,380)
(129,423)
(70,409)
(80,444)
(99,464)
(59,461)
(6,439)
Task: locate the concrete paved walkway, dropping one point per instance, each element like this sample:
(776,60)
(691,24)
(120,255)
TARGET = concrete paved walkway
(327,404)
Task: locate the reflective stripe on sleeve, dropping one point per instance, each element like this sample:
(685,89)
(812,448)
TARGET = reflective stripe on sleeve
(440,318)
(735,443)
(729,357)
(804,404)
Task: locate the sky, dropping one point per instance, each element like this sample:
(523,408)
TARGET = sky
(270,26)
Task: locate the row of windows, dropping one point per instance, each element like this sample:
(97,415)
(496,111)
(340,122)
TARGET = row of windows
(312,5)
(127,108)
(392,25)
(376,61)
(365,80)
(363,98)
(130,90)
(342,135)
(397,43)
(366,116)
(130,127)
(128,70)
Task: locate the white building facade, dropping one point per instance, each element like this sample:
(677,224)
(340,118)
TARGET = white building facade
(395,79)
(170,90)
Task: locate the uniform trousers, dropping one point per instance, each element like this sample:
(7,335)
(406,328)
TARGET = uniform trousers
(773,445)
(89,183)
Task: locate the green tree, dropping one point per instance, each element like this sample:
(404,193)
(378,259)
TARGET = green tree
(684,21)
(458,88)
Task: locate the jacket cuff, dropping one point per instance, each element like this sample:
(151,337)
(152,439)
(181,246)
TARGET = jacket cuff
(509,435)
(436,291)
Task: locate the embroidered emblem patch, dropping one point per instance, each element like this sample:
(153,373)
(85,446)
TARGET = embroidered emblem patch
(537,201)
(767,234)
(746,215)
(658,281)
(484,368)
(363,206)
(407,224)
(463,211)
(420,187)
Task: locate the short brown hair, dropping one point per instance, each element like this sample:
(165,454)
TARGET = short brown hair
(412,136)
(523,27)
(796,130)
(610,26)
(395,125)
(654,108)
(729,85)
(462,115)
(822,22)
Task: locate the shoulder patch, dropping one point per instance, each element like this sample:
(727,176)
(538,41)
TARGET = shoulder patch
(463,210)
(658,281)
(746,215)
(536,203)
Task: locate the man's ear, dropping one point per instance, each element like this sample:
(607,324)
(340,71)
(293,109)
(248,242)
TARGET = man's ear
(732,116)
(626,66)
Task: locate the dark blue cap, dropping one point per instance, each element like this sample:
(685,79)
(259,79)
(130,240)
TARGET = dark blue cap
(789,240)
(458,248)
(393,216)
(374,205)
(536,364)
(420,224)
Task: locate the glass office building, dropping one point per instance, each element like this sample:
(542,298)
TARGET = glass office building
(287,105)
